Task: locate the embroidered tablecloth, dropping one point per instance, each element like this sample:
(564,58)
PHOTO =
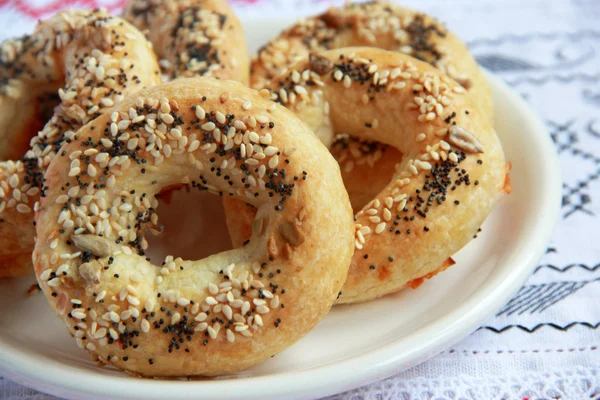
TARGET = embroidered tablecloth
(545,342)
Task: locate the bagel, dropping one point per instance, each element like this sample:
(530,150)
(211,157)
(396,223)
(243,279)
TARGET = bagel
(193,37)
(220,314)
(374,24)
(91,60)
(449,176)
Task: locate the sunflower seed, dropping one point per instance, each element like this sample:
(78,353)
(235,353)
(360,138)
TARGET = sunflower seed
(90,272)
(319,64)
(464,140)
(289,231)
(93,244)
(257,226)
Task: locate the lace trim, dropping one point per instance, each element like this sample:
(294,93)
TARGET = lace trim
(573,384)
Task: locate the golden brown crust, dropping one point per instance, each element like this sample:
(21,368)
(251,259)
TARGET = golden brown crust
(212,316)
(367,166)
(450,174)
(239,220)
(193,37)
(415,283)
(375,24)
(90,60)
(507,188)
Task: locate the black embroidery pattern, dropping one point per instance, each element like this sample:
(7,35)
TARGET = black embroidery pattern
(554,78)
(534,36)
(575,196)
(537,298)
(563,61)
(567,267)
(538,326)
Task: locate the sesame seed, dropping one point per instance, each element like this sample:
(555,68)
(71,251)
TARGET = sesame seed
(301,90)
(124,124)
(200,113)
(220,117)
(100,333)
(399,198)
(23,208)
(183,301)
(347,81)
(133,300)
(201,317)
(228,312)
(194,145)
(201,327)
(106,102)
(14,181)
(262,309)
(387,215)
(261,119)
(253,136)
(365,230)
(210,301)
(230,336)
(212,332)
(45,274)
(168,118)
(100,296)
(425,165)
(375,219)
(54,282)
(230,297)
(273,161)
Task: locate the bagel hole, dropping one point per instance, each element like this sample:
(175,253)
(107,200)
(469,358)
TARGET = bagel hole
(41,107)
(367,176)
(193,226)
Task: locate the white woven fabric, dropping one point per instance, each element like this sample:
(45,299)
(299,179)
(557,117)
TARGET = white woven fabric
(545,343)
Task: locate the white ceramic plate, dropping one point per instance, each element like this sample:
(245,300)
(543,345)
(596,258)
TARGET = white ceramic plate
(394,333)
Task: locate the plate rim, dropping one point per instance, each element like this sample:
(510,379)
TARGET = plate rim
(351,372)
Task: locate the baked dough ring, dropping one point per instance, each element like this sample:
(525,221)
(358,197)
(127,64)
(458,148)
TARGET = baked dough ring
(374,24)
(262,297)
(450,175)
(92,60)
(193,37)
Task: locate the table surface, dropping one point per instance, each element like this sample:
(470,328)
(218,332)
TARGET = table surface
(545,342)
